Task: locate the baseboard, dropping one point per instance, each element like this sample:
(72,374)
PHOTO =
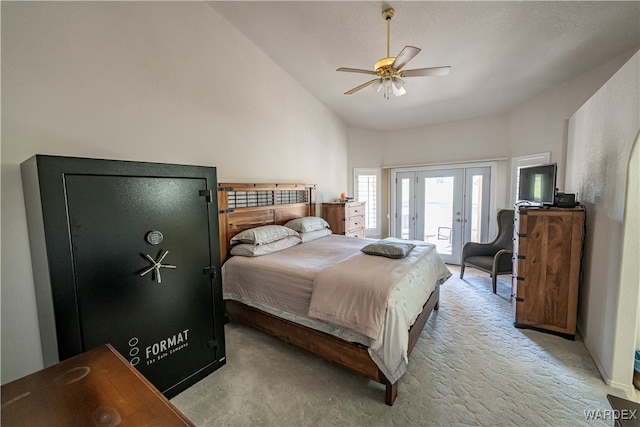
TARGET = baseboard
(629,389)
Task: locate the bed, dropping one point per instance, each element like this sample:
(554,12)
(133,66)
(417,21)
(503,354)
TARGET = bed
(292,293)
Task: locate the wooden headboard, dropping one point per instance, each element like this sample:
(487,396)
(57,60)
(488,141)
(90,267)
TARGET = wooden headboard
(244,206)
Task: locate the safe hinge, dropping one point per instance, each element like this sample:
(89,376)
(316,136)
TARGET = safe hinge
(519,299)
(520,278)
(212,344)
(208,194)
(211,270)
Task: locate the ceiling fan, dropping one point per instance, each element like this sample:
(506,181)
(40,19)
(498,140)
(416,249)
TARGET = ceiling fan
(389,70)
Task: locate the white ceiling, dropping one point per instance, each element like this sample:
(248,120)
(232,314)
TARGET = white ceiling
(501,53)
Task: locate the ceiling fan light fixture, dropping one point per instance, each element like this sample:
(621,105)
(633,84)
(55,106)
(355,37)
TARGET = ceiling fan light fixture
(387,84)
(389,70)
(397,85)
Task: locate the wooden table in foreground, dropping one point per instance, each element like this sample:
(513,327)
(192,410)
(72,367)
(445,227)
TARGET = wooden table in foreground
(627,411)
(98,387)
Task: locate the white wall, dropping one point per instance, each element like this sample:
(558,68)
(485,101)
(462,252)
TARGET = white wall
(460,141)
(601,136)
(162,82)
(541,123)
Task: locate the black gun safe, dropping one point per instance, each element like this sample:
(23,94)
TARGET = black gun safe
(127,253)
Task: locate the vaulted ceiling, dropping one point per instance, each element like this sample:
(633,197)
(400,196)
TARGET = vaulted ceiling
(501,53)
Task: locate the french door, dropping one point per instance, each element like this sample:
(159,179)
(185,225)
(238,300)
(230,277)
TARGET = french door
(446,207)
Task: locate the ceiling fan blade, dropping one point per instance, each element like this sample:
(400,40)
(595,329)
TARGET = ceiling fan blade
(434,71)
(362,86)
(407,54)
(356,70)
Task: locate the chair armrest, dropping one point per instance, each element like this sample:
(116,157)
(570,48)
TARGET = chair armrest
(503,252)
(503,260)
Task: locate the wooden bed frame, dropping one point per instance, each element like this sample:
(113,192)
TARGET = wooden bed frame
(264,206)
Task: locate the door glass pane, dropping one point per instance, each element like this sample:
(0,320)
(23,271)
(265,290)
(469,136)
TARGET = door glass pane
(438,212)
(405,214)
(476,208)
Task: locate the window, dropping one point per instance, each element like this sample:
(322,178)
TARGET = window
(366,184)
(524,161)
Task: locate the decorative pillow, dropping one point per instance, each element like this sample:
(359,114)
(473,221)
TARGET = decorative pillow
(263,235)
(247,249)
(389,250)
(307,223)
(313,235)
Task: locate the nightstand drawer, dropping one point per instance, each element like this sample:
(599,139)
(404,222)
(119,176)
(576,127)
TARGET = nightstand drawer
(356,233)
(354,209)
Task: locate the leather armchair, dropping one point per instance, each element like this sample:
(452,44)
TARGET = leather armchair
(494,257)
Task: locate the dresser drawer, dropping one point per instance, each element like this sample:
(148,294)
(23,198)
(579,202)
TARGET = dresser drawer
(354,222)
(355,233)
(354,209)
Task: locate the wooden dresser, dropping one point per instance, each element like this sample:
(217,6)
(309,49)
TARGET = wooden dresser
(98,387)
(345,218)
(546,268)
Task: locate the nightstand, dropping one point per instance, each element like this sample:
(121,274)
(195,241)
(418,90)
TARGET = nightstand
(345,218)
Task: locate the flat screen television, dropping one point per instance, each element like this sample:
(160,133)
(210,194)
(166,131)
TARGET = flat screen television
(537,184)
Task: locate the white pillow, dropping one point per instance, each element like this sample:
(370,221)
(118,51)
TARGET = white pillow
(247,249)
(313,235)
(263,235)
(307,223)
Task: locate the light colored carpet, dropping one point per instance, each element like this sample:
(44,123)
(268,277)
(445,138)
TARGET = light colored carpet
(471,366)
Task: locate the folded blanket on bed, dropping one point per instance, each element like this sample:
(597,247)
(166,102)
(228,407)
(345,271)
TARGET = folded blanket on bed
(354,292)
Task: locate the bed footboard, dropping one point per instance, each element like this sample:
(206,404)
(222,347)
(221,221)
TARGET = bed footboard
(335,350)
(352,356)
